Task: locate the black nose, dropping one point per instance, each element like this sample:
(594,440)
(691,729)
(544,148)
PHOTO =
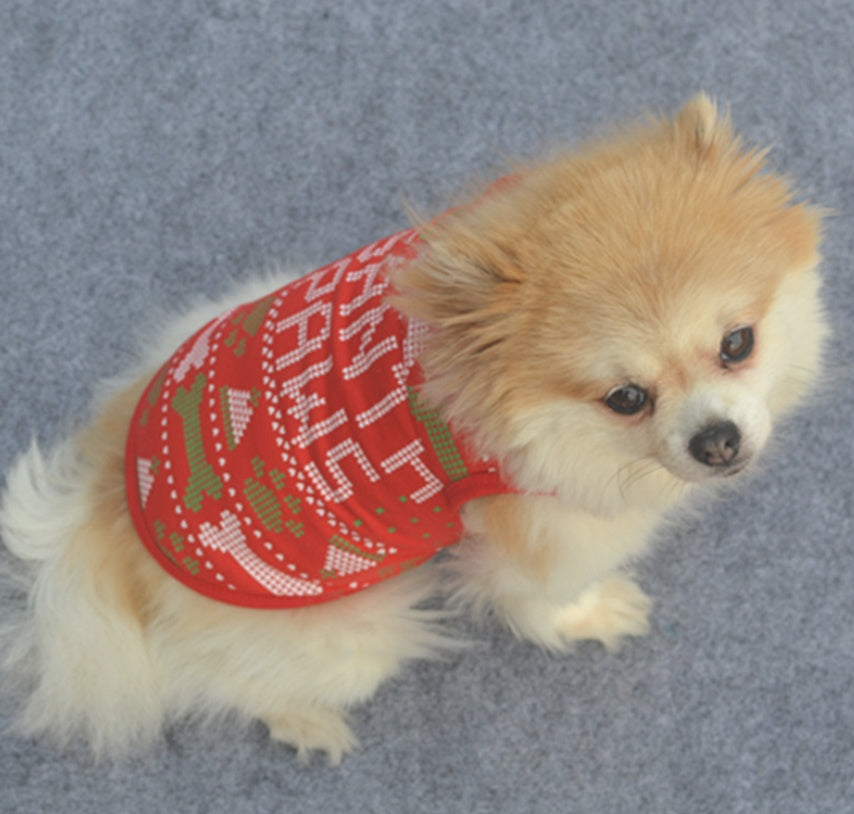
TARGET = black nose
(717,445)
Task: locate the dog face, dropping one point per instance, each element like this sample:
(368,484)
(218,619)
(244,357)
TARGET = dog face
(693,373)
(693,389)
(646,306)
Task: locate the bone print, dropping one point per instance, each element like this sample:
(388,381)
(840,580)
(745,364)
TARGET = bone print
(203,480)
(237,409)
(229,538)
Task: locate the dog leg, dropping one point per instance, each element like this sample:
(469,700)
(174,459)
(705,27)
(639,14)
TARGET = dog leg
(552,573)
(297,670)
(607,611)
(314,728)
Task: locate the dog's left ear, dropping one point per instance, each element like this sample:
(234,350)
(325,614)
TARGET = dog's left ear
(702,128)
(798,229)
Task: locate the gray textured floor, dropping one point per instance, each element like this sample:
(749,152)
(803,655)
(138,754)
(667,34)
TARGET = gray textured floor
(153,148)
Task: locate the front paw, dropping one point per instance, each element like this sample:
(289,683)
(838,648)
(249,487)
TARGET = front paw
(607,611)
(311,729)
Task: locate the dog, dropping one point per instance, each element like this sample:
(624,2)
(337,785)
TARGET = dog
(533,380)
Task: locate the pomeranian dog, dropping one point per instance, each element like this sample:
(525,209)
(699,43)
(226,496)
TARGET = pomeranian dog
(537,376)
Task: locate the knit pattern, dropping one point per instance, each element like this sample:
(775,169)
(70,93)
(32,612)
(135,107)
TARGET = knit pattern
(283,456)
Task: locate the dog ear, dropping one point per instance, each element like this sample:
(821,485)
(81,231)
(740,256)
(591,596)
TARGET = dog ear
(702,128)
(798,228)
(460,278)
(466,272)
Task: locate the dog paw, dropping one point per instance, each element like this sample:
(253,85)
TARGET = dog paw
(607,611)
(315,729)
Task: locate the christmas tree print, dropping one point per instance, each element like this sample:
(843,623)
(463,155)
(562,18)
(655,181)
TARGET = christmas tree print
(254,319)
(344,558)
(248,323)
(267,505)
(237,409)
(146,470)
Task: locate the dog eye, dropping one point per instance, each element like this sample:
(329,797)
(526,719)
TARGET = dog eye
(737,346)
(626,399)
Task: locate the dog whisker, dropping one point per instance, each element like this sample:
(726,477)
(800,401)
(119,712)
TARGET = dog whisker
(631,473)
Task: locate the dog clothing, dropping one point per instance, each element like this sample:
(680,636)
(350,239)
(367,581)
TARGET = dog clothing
(283,457)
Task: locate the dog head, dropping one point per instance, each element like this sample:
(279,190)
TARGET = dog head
(625,320)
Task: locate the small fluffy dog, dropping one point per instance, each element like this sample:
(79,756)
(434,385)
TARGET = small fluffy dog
(537,376)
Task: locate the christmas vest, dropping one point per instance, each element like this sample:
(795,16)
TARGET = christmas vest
(283,456)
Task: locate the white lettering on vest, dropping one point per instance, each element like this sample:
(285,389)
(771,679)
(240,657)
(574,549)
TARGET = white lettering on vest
(411,455)
(305,343)
(344,485)
(304,403)
(315,289)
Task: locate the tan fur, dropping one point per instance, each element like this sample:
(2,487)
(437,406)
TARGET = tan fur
(626,261)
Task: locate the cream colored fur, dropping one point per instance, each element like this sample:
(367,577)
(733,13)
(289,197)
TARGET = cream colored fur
(624,262)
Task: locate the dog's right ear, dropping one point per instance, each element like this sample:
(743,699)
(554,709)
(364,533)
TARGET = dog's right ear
(466,273)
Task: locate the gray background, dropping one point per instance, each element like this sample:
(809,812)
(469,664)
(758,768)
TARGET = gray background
(150,149)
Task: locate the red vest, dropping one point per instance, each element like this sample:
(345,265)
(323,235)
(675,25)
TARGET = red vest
(283,457)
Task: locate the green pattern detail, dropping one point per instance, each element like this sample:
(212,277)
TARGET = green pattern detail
(191,565)
(352,548)
(157,386)
(440,437)
(159,535)
(153,395)
(266,504)
(254,318)
(293,503)
(263,501)
(177,541)
(203,480)
(237,345)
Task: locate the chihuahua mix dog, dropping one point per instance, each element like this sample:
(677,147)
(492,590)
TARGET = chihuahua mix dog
(535,377)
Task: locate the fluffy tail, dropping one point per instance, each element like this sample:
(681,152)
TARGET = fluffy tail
(74,648)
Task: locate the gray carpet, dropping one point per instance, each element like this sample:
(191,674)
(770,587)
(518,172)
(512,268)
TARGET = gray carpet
(152,148)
